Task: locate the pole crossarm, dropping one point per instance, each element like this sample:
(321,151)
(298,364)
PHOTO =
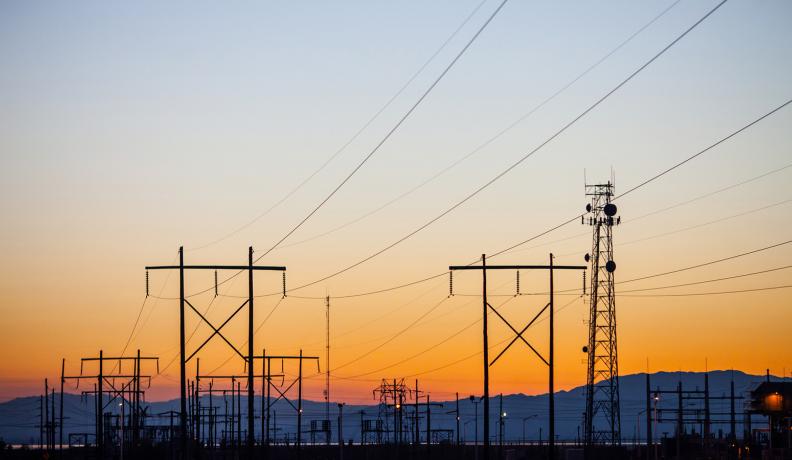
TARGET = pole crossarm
(119,359)
(283,357)
(237,377)
(216,267)
(517,267)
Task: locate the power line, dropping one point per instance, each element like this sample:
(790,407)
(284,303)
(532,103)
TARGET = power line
(393,337)
(693,294)
(742,275)
(523,158)
(354,136)
(492,138)
(674,206)
(137,321)
(391,131)
(478,352)
(691,267)
(380,317)
(376,148)
(714,192)
(430,348)
(573,219)
(704,264)
(722,219)
(707,149)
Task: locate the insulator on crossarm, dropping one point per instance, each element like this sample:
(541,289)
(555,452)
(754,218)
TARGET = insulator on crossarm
(450,283)
(284,285)
(518,282)
(147,283)
(584,282)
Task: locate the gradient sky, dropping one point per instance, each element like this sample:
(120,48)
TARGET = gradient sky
(127,130)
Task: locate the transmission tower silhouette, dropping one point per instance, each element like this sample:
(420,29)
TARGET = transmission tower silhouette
(602,419)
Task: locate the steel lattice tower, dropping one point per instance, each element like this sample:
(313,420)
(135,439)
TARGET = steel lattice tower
(602,420)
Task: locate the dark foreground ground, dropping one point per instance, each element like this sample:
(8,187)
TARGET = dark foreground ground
(387,452)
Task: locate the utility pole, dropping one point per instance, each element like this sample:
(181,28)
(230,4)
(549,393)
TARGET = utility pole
(327,371)
(732,419)
(649,439)
(41,422)
(500,425)
(518,336)
(680,427)
(60,412)
(417,424)
(267,375)
(457,419)
(428,425)
(102,378)
(250,268)
(707,420)
(46,416)
(250,411)
(340,431)
(299,405)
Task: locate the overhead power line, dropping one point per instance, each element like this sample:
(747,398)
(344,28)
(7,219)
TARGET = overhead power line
(378,145)
(704,264)
(694,294)
(493,138)
(354,137)
(663,173)
(674,206)
(524,157)
(390,132)
(713,280)
(393,337)
(430,348)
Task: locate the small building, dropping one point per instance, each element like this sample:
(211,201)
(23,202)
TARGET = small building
(774,400)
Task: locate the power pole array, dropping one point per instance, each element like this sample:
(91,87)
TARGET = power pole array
(518,335)
(249,268)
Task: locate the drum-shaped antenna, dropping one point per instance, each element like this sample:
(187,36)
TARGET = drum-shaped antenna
(588,207)
(610,209)
(587,257)
(610,266)
(585,349)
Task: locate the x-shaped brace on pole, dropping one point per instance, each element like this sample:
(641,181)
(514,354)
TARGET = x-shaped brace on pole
(283,395)
(216,330)
(519,334)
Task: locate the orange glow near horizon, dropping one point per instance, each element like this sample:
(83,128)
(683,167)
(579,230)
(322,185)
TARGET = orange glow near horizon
(130,129)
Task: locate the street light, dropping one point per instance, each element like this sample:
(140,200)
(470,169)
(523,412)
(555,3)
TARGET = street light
(502,432)
(525,419)
(475,443)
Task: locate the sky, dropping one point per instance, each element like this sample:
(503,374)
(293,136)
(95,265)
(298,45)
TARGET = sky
(129,130)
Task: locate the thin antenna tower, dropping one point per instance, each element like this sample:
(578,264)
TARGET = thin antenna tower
(327,362)
(603,421)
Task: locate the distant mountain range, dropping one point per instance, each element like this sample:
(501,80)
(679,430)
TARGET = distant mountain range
(19,418)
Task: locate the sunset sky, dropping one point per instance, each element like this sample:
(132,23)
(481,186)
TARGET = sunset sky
(128,130)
